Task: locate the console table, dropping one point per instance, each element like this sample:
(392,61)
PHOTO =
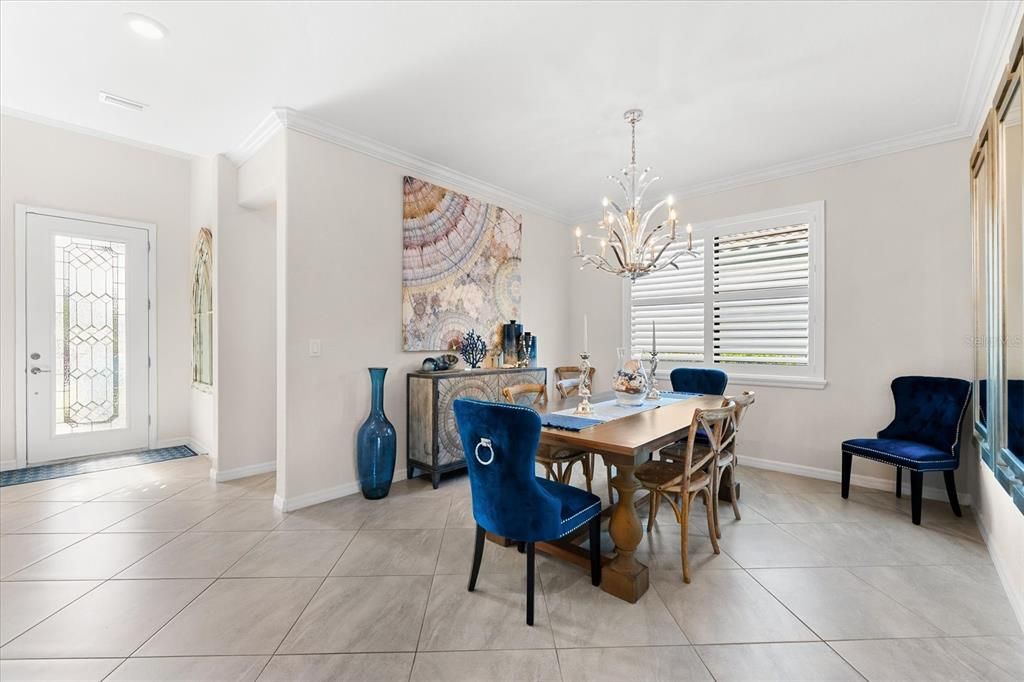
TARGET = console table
(432,440)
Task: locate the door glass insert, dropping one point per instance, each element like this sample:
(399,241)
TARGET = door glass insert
(90,332)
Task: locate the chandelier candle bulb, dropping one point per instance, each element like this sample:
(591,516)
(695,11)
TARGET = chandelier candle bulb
(579,242)
(689,237)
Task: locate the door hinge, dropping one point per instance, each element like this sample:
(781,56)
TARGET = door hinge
(149,419)
(149,304)
(149,362)
(149,246)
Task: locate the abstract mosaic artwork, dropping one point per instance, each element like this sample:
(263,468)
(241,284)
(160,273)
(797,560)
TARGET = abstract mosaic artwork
(460,267)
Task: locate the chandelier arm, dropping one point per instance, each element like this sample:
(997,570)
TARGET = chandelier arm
(618,256)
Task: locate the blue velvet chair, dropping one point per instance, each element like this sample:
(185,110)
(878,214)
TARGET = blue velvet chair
(923,436)
(500,442)
(699,380)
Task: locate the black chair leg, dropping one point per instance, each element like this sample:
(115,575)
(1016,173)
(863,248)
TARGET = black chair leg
(899,481)
(847,466)
(951,491)
(478,554)
(521,546)
(916,486)
(595,550)
(529,583)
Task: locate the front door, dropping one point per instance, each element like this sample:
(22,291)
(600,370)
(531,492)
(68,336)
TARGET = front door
(87,337)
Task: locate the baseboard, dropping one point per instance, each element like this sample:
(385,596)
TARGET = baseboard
(1009,581)
(6,464)
(174,442)
(221,475)
(290,504)
(873,482)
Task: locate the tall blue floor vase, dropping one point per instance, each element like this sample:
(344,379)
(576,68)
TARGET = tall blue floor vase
(375,447)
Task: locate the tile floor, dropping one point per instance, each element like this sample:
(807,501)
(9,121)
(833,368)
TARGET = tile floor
(155,573)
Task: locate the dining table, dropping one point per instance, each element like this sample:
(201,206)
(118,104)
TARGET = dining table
(624,443)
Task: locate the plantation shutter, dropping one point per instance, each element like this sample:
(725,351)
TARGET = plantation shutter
(674,299)
(760,297)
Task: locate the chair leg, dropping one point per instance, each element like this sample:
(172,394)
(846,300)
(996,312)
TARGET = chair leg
(529,582)
(732,486)
(713,532)
(478,554)
(951,491)
(595,550)
(652,510)
(588,471)
(684,530)
(899,481)
(916,485)
(521,546)
(716,485)
(847,466)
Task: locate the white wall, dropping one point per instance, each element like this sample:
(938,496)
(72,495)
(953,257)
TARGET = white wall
(898,301)
(342,241)
(1002,525)
(54,168)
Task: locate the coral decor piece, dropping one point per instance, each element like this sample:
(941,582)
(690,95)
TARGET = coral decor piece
(473,349)
(460,267)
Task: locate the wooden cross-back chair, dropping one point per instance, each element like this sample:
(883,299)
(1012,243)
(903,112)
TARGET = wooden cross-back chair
(557,461)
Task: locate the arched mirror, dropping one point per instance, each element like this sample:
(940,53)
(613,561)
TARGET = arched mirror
(202,310)
(982,217)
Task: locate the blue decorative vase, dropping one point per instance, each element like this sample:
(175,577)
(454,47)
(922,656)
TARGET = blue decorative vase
(375,443)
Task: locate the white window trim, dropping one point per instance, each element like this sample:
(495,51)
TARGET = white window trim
(810,377)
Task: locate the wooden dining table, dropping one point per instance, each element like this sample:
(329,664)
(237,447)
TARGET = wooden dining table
(625,444)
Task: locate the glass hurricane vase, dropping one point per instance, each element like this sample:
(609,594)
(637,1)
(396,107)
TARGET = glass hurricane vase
(630,382)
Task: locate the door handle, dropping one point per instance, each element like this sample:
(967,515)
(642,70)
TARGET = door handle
(38,370)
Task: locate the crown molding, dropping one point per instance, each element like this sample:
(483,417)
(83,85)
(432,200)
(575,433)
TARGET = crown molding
(92,132)
(995,40)
(285,118)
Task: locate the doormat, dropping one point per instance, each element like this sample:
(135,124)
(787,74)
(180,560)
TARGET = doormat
(45,472)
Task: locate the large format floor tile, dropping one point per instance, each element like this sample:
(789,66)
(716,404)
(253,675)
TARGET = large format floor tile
(18,515)
(20,551)
(347,513)
(764,546)
(1006,652)
(960,600)
(492,617)
(780,661)
(391,552)
(919,659)
(168,516)
(57,670)
(361,615)
(193,555)
(111,620)
(89,517)
(456,555)
(26,603)
(538,665)
(586,616)
(98,557)
(80,489)
(220,668)
(836,604)
(392,667)
(238,616)
(243,514)
(293,553)
(155,490)
(729,606)
(13,493)
(409,513)
(643,664)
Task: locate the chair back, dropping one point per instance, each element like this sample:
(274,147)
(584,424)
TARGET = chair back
(717,426)
(526,394)
(929,411)
(699,380)
(567,387)
(570,372)
(500,443)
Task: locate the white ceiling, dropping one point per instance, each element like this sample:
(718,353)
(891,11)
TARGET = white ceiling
(528,96)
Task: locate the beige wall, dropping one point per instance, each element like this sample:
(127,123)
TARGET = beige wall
(54,168)
(898,300)
(342,241)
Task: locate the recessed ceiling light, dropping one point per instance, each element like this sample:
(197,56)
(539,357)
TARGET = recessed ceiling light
(123,102)
(145,27)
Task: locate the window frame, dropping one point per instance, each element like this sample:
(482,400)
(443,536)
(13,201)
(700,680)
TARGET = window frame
(810,376)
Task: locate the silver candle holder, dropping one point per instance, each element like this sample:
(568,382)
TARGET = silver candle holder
(584,406)
(653,393)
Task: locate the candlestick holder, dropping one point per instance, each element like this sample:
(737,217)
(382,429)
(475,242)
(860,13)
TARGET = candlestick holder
(584,406)
(653,393)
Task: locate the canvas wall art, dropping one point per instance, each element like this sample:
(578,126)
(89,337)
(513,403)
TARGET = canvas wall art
(460,267)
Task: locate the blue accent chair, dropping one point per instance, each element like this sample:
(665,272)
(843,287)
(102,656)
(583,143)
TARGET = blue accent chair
(500,443)
(699,380)
(923,436)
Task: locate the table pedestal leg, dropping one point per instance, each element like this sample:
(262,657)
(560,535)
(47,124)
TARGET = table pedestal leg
(624,576)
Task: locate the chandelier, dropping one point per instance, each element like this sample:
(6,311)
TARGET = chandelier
(636,247)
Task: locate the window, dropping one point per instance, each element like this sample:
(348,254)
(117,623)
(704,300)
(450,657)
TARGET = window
(202,310)
(751,303)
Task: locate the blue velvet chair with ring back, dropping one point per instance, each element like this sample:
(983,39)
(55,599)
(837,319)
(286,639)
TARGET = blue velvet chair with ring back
(699,380)
(923,436)
(509,499)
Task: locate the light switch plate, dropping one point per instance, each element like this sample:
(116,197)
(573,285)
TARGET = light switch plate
(314,348)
